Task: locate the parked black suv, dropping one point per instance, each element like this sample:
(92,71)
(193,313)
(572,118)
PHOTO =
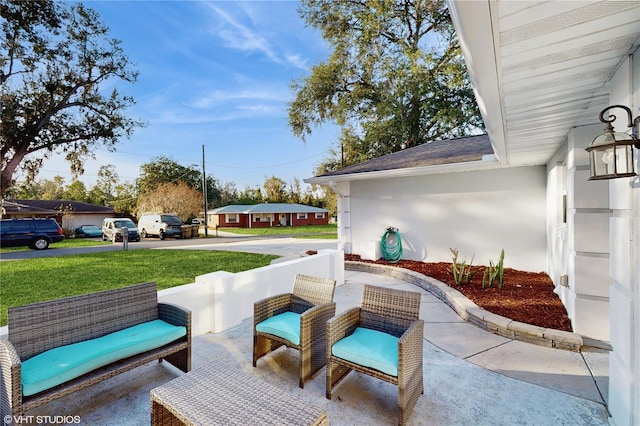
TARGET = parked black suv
(35,233)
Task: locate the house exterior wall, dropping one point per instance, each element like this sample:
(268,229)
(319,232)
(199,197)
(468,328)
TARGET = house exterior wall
(310,219)
(272,219)
(479,213)
(624,245)
(222,220)
(75,220)
(578,235)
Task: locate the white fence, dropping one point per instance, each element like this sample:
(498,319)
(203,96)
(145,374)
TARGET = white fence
(221,300)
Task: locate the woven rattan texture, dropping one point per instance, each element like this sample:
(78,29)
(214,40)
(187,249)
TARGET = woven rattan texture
(392,311)
(219,394)
(312,297)
(40,327)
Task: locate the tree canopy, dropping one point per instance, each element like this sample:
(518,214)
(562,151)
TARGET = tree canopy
(395,78)
(161,170)
(58,86)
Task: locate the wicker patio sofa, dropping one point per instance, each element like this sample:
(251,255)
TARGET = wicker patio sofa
(387,324)
(297,320)
(80,330)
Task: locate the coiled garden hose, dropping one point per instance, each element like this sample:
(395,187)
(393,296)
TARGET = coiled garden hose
(391,245)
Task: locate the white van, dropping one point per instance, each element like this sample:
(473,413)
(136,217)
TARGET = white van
(160,225)
(111,229)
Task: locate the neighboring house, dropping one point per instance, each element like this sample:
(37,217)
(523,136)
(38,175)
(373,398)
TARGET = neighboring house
(267,215)
(19,209)
(70,214)
(542,72)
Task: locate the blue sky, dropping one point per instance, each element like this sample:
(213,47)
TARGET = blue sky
(218,74)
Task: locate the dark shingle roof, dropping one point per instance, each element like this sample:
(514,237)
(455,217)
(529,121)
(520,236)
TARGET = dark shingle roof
(77,206)
(459,150)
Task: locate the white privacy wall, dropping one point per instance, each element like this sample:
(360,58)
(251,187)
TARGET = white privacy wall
(477,212)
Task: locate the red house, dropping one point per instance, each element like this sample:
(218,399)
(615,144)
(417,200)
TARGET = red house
(266,215)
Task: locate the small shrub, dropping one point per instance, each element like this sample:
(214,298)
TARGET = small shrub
(494,272)
(68,233)
(462,273)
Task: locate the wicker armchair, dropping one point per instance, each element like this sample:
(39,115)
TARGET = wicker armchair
(312,299)
(394,312)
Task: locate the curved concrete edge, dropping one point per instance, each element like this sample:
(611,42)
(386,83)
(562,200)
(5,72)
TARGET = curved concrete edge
(480,317)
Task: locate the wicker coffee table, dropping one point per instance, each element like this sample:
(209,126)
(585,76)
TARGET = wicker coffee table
(217,394)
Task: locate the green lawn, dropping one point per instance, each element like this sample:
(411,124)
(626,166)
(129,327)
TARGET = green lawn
(311,231)
(72,242)
(35,280)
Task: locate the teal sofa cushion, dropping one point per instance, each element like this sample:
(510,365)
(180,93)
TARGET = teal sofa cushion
(285,325)
(59,365)
(369,348)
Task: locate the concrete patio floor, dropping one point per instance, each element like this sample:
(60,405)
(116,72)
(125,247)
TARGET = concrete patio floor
(471,377)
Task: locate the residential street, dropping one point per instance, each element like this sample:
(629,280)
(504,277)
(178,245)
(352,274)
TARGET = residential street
(278,245)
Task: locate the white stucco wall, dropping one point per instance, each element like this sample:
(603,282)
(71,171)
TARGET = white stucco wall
(578,234)
(221,300)
(624,245)
(479,213)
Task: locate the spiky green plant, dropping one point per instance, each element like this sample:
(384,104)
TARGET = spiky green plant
(494,272)
(462,273)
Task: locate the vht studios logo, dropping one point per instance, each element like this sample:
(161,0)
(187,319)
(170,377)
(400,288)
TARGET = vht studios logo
(26,420)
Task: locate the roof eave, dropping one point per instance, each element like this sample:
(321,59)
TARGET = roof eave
(473,23)
(487,164)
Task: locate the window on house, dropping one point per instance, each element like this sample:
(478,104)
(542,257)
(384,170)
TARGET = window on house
(320,215)
(301,215)
(262,217)
(232,218)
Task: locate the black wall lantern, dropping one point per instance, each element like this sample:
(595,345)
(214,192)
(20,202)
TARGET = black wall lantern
(611,153)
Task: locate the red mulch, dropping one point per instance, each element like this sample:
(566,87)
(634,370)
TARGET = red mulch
(527,297)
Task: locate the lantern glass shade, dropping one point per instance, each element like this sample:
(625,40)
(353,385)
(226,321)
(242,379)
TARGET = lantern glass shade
(611,156)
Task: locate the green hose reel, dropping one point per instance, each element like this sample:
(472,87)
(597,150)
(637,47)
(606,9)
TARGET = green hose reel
(391,245)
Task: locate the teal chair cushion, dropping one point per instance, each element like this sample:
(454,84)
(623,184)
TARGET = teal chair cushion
(59,365)
(369,348)
(285,325)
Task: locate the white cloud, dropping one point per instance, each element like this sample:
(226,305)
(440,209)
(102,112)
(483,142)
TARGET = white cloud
(241,37)
(297,62)
(220,96)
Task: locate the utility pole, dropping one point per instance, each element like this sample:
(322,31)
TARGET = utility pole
(204,195)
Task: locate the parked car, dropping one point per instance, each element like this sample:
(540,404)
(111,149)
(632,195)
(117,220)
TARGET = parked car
(88,231)
(160,225)
(112,229)
(34,232)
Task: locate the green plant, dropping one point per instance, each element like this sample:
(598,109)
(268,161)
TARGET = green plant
(462,273)
(494,272)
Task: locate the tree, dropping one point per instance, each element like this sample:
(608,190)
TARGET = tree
(58,77)
(76,191)
(275,190)
(228,195)
(250,196)
(295,192)
(395,78)
(105,185)
(52,189)
(178,198)
(125,199)
(164,170)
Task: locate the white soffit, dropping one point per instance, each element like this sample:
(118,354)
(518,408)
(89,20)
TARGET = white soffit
(542,67)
